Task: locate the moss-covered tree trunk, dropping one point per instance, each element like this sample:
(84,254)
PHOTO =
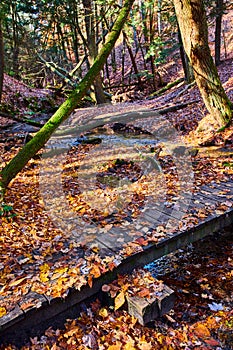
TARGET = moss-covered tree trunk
(194,31)
(43,135)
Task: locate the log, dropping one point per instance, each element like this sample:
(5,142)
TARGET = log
(175,107)
(22,120)
(128,117)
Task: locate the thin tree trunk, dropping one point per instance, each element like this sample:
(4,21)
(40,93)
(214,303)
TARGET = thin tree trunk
(188,70)
(93,49)
(218,31)
(159,8)
(63,112)
(1,60)
(123,63)
(194,31)
(134,65)
(15,56)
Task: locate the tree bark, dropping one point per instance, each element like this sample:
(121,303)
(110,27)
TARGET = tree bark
(194,31)
(218,31)
(188,70)
(63,112)
(1,60)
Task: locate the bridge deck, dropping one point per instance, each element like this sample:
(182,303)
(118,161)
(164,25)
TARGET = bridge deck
(160,229)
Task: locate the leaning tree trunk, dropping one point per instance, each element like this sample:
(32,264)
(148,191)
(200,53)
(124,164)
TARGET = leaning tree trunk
(43,135)
(1,60)
(194,31)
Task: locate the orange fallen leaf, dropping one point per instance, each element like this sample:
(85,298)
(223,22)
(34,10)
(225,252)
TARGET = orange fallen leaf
(90,281)
(26,306)
(95,271)
(141,241)
(201,331)
(212,342)
(111,266)
(144,293)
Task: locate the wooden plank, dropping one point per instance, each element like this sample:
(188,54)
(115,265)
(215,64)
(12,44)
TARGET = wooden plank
(217,194)
(204,199)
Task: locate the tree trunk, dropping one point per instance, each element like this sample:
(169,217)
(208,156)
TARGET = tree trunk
(134,64)
(194,31)
(1,60)
(159,10)
(93,49)
(43,135)
(15,55)
(218,30)
(188,70)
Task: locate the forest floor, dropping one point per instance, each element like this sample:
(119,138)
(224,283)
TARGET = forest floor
(201,275)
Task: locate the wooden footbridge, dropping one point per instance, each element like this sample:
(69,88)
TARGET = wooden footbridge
(208,210)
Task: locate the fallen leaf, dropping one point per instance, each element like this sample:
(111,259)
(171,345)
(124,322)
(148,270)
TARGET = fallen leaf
(129,346)
(141,241)
(103,313)
(90,281)
(144,293)
(16,282)
(201,330)
(119,300)
(25,306)
(212,342)
(2,311)
(95,271)
(216,307)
